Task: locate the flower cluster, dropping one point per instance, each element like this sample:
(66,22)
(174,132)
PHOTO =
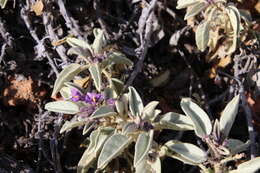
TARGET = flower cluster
(90,98)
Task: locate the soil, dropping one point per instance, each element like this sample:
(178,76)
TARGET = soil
(28,133)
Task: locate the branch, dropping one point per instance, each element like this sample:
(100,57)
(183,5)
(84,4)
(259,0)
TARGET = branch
(145,32)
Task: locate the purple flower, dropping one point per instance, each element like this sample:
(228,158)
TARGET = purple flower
(93,98)
(76,95)
(210,1)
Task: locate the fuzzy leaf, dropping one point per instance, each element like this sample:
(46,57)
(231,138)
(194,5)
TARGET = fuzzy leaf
(97,140)
(66,75)
(188,151)
(117,85)
(116,58)
(142,147)
(103,111)
(99,41)
(176,121)
(156,165)
(195,9)
(228,116)
(65,92)
(74,42)
(68,125)
(112,148)
(236,146)
(250,166)
(234,17)
(95,72)
(200,119)
(135,102)
(65,107)
(185,3)
(3,3)
(202,35)
(148,111)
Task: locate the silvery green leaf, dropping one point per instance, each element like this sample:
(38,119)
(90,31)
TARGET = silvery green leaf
(148,111)
(188,151)
(135,102)
(195,9)
(3,3)
(185,3)
(143,167)
(120,107)
(68,125)
(129,128)
(156,165)
(234,17)
(87,159)
(113,147)
(95,72)
(103,135)
(88,127)
(66,107)
(116,58)
(202,35)
(250,166)
(228,116)
(236,146)
(103,111)
(80,52)
(176,121)
(200,119)
(99,42)
(117,85)
(142,146)
(97,140)
(246,16)
(66,75)
(74,86)
(74,42)
(65,92)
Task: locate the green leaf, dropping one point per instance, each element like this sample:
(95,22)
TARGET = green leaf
(185,3)
(112,148)
(188,151)
(236,146)
(87,159)
(202,35)
(176,121)
(156,165)
(65,92)
(103,111)
(228,116)
(3,3)
(99,42)
(95,72)
(234,17)
(135,102)
(74,42)
(97,140)
(250,166)
(65,107)
(143,167)
(200,119)
(149,110)
(68,125)
(116,58)
(66,75)
(142,146)
(117,85)
(195,9)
